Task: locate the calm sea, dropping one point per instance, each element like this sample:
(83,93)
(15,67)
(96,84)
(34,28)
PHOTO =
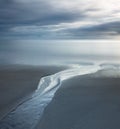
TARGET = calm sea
(39,52)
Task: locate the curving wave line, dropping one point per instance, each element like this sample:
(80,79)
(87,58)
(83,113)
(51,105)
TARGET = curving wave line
(27,115)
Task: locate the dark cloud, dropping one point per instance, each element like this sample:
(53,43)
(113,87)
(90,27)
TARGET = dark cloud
(106,30)
(107,27)
(16,13)
(12,12)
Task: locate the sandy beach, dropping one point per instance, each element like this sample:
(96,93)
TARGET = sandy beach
(84,102)
(18,82)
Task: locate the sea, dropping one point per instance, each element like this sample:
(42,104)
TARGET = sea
(58,52)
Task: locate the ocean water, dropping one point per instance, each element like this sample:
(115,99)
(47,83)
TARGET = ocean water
(40,52)
(28,114)
(85,57)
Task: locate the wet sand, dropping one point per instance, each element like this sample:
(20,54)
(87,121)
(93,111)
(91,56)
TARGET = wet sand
(84,102)
(18,82)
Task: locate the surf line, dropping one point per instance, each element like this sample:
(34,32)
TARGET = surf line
(27,115)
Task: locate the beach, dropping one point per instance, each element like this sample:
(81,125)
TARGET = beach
(18,82)
(85,102)
(76,98)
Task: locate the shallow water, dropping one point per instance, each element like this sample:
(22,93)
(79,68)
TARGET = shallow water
(27,115)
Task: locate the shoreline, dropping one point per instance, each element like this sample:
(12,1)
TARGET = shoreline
(29,112)
(92,87)
(18,82)
(82,102)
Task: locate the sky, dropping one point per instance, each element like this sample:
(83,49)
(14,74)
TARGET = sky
(60,19)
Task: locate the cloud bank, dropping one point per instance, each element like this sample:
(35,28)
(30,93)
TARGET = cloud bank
(65,19)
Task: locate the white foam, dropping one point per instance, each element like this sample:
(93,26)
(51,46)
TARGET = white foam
(49,82)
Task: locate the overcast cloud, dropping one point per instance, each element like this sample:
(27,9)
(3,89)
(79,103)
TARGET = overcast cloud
(65,19)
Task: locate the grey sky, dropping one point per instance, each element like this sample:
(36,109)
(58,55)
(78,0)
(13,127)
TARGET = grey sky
(65,19)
